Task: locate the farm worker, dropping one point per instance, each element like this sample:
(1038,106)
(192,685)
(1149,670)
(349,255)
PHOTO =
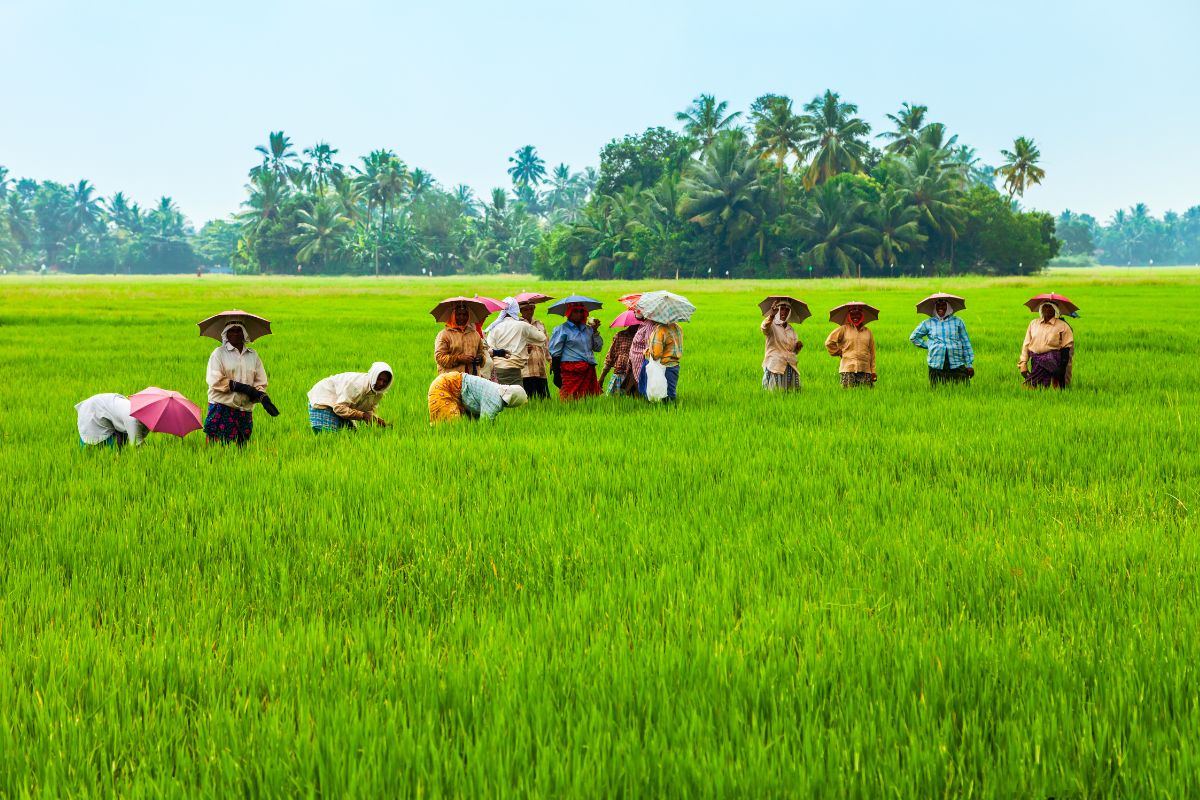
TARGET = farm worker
(854,343)
(237,381)
(1046,353)
(571,350)
(951,358)
(342,401)
(453,395)
(533,374)
(459,347)
(509,339)
(637,350)
(617,362)
(104,419)
(665,346)
(782,345)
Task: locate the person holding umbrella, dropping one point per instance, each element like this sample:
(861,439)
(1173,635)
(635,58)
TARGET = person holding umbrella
(782,344)
(573,346)
(509,339)
(236,377)
(459,347)
(951,359)
(1047,354)
(533,374)
(105,420)
(665,311)
(454,395)
(341,401)
(854,344)
(617,360)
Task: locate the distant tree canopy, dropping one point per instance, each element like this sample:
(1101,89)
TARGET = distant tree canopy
(780,190)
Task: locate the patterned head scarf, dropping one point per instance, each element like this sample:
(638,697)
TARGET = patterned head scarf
(511,309)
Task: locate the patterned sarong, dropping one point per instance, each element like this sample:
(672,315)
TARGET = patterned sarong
(578,380)
(323,419)
(227,425)
(789,381)
(1049,369)
(851,380)
(445,398)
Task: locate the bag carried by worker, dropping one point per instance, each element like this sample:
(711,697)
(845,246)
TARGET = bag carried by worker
(656,381)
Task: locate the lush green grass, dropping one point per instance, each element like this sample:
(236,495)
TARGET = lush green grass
(986,592)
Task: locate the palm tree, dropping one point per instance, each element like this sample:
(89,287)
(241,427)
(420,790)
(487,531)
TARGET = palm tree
(705,118)
(934,135)
(933,189)
(384,179)
(465,196)
(4,181)
(778,132)
(278,155)
(265,200)
(419,182)
(85,207)
(166,220)
(966,160)
(320,232)
(125,215)
(350,198)
(527,167)
(839,241)
(1020,168)
(908,121)
(895,221)
(720,191)
(322,164)
(834,138)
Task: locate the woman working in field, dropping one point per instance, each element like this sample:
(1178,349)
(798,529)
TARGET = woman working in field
(459,347)
(510,339)
(341,401)
(951,358)
(854,344)
(617,362)
(637,350)
(1048,349)
(105,420)
(453,395)
(665,346)
(782,345)
(572,348)
(533,374)
(237,381)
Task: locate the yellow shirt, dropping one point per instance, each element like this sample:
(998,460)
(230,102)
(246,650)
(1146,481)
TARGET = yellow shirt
(856,346)
(1042,337)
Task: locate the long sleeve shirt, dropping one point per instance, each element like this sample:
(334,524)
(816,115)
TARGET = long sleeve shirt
(637,348)
(481,397)
(856,346)
(350,395)
(1042,337)
(536,355)
(780,347)
(618,352)
(666,345)
(451,344)
(102,415)
(572,342)
(515,336)
(226,365)
(945,337)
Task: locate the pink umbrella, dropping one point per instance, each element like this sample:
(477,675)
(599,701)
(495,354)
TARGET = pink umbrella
(532,297)
(626,319)
(492,304)
(1034,303)
(164,411)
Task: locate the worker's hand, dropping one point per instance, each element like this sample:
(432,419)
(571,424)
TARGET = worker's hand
(970,372)
(367,417)
(595,324)
(1025,374)
(874,377)
(799,345)
(500,352)
(466,359)
(380,422)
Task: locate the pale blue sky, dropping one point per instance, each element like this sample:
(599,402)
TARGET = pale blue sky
(170,98)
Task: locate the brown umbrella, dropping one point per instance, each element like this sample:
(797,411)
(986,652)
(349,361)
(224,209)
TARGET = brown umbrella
(255,326)
(476,310)
(838,315)
(800,310)
(955,302)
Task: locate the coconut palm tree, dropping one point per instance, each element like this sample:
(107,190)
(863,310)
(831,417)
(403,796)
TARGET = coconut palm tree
(835,138)
(1020,169)
(705,118)
(384,179)
(966,160)
(165,219)
(86,208)
(264,202)
(778,133)
(465,196)
(123,214)
(934,190)
(895,221)
(4,181)
(319,231)
(720,191)
(419,182)
(909,121)
(323,165)
(527,167)
(278,155)
(833,226)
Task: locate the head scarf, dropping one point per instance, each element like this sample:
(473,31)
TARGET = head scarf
(513,396)
(454,326)
(571,309)
(862,316)
(949,310)
(1054,306)
(779,307)
(373,374)
(225,334)
(511,309)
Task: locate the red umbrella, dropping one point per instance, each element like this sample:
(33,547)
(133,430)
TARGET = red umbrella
(532,297)
(491,303)
(164,411)
(1064,305)
(626,319)
(476,310)
(630,300)
(838,315)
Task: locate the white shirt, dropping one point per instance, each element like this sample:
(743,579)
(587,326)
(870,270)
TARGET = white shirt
(349,394)
(513,335)
(226,364)
(102,415)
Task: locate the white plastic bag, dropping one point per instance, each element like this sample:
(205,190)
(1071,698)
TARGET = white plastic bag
(656,381)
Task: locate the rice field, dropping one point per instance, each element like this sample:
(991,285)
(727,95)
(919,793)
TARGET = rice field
(980,592)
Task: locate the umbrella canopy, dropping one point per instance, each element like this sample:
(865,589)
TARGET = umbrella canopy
(626,319)
(255,325)
(1064,305)
(532,297)
(955,302)
(164,411)
(800,310)
(491,303)
(477,311)
(838,315)
(589,303)
(665,307)
(630,300)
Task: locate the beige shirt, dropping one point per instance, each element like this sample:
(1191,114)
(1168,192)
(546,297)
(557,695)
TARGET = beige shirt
(351,395)
(515,336)
(537,356)
(102,415)
(781,346)
(856,346)
(452,344)
(1042,337)
(226,364)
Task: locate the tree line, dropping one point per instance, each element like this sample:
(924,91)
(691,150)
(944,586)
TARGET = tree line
(776,191)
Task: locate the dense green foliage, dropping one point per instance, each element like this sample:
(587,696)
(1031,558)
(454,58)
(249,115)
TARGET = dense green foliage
(894,593)
(1133,237)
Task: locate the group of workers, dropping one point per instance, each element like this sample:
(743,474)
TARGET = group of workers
(481,372)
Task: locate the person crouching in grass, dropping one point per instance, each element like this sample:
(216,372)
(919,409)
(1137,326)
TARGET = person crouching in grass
(104,421)
(454,395)
(237,381)
(341,401)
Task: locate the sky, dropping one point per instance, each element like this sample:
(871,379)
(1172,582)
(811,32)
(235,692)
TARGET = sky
(170,98)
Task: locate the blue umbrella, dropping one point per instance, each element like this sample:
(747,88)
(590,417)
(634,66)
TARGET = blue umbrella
(560,307)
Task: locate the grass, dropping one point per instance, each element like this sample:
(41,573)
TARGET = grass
(986,592)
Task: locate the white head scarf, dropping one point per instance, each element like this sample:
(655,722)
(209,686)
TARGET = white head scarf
(373,374)
(227,328)
(511,309)
(949,310)
(513,396)
(779,320)
(1057,313)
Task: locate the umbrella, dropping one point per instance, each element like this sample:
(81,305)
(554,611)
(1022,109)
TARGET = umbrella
(477,311)
(255,326)
(838,315)
(532,297)
(630,300)
(164,411)
(625,319)
(491,303)
(955,302)
(800,310)
(561,306)
(1064,305)
(665,307)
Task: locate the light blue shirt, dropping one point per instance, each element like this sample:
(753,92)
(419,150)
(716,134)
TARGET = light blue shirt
(572,342)
(944,337)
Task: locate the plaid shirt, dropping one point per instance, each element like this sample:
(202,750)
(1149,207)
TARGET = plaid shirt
(618,354)
(945,337)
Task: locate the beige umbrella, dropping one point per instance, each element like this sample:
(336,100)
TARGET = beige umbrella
(255,326)
(477,312)
(838,315)
(800,310)
(955,302)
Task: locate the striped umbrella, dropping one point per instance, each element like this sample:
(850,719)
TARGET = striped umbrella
(665,307)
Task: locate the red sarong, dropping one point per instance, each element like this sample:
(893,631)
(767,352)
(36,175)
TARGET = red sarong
(578,380)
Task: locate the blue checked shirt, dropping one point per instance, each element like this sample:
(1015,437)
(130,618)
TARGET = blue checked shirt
(942,338)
